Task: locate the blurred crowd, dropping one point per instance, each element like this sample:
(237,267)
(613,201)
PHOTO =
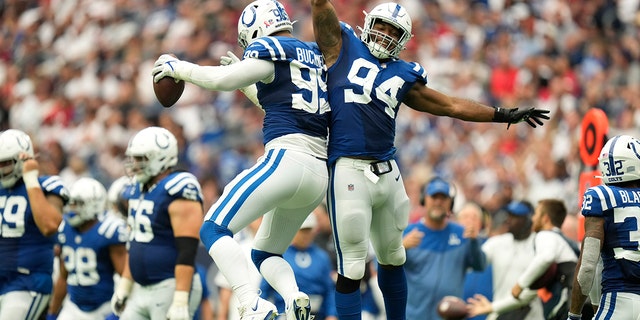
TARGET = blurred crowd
(76,76)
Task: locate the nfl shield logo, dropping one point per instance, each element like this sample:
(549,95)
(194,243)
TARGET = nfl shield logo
(350,187)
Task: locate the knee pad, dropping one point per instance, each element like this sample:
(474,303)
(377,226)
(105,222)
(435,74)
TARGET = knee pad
(346,285)
(211,232)
(393,258)
(354,270)
(259,256)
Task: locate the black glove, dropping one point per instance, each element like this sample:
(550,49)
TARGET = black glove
(532,116)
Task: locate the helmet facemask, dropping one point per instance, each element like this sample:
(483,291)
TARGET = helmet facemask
(380,44)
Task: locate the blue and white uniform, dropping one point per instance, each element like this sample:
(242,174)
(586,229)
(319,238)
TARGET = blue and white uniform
(151,245)
(365,96)
(26,256)
(152,250)
(290,179)
(87,259)
(620,209)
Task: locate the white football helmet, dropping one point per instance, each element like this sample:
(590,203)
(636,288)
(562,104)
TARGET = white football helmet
(381,45)
(115,194)
(12,143)
(262,18)
(619,160)
(87,200)
(150,152)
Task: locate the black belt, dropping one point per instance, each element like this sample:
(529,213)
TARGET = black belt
(381,167)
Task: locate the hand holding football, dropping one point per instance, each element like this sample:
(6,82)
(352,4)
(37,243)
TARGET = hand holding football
(168,91)
(452,308)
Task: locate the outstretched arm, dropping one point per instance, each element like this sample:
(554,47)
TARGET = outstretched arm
(326,29)
(425,99)
(220,78)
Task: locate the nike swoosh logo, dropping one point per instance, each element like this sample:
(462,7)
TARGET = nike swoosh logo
(398,178)
(255,308)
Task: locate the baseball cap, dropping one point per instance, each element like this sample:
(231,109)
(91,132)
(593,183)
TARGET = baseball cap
(438,185)
(519,208)
(310,222)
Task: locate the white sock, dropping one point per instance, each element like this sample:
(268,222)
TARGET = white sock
(279,275)
(232,262)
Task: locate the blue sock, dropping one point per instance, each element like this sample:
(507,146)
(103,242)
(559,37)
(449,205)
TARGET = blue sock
(393,285)
(349,305)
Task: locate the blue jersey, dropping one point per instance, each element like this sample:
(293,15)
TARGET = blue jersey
(23,248)
(152,250)
(365,96)
(437,267)
(296,100)
(88,261)
(620,209)
(312,268)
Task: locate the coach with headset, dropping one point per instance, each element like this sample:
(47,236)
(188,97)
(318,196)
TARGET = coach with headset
(439,252)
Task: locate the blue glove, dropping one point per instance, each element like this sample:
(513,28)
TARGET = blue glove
(51,316)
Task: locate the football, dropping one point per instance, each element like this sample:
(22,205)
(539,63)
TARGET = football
(168,91)
(546,278)
(452,308)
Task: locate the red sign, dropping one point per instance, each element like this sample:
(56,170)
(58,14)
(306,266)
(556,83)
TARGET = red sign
(593,136)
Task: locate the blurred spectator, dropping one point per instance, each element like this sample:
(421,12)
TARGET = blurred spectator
(475,282)
(553,249)
(439,252)
(509,255)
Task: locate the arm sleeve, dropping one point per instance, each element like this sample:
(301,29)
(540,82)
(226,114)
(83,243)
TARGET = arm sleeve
(511,303)
(230,77)
(546,242)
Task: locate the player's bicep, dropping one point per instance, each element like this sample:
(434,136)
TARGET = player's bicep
(422,98)
(186,218)
(594,228)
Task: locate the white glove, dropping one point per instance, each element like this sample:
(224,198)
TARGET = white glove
(169,66)
(120,295)
(230,58)
(179,309)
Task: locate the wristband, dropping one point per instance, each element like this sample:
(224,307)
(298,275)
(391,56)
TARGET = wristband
(500,115)
(181,298)
(30,179)
(573,316)
(124,287)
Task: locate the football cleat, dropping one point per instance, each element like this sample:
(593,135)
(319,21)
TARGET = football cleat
(299,308)
(259,310)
